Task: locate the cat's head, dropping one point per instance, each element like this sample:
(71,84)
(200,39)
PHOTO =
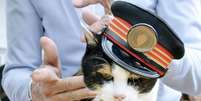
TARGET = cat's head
(108,78)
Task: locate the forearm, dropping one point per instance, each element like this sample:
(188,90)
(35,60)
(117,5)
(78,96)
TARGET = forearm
(16,83)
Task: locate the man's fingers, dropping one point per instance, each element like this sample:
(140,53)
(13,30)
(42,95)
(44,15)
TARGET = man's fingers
(53,85)
(45,75)
(100,24)
(89,17)
(75,95)
(69,84)
(50,52)
(45,78)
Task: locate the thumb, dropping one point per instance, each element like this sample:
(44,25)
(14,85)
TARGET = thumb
(50,52)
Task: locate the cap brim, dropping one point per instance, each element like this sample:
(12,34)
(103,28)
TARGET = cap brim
(129,62)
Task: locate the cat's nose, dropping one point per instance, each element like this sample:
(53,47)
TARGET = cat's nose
(119,97)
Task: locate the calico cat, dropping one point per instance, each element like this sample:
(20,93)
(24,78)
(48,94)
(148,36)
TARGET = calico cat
(111,81)
(107,68)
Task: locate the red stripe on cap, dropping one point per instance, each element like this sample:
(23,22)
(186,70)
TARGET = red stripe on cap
(167,59)
(157,59)
(164,50)
(121,25)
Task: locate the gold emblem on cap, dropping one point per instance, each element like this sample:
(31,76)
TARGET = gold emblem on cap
(142,37)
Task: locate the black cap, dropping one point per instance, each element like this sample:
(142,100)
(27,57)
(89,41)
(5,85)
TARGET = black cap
(118,45)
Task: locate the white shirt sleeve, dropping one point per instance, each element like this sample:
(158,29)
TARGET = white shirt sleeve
(184,74)
(184,17)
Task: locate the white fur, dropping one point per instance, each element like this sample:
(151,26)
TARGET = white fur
(120,87)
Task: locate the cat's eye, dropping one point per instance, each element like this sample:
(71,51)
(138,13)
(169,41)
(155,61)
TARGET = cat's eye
(106,72)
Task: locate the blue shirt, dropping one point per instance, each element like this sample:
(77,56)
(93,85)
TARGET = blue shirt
(28,20)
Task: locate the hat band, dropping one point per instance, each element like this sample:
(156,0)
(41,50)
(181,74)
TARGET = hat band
(118,30)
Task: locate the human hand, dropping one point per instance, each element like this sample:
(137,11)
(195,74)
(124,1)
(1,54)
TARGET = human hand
(47,84)
(100,24)
(83,3)
(95,27)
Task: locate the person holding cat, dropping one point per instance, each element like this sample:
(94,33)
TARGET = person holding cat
(28,20)
(26,75)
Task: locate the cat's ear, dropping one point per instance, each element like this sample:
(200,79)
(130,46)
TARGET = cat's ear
(90,39)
